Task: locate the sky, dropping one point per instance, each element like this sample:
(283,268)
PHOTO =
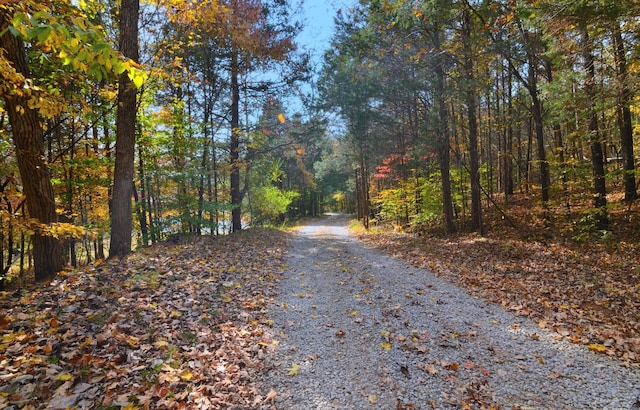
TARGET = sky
(317,17)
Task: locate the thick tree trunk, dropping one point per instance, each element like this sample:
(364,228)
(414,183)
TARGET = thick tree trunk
(121,207)
(474,160)
(28,140)
(234,145)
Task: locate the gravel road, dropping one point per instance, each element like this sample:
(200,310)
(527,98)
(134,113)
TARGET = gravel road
(360,330)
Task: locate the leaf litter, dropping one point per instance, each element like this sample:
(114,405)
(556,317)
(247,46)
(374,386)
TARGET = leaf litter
(172,326)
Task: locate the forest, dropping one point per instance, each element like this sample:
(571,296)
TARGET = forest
(125,124)
(151,153)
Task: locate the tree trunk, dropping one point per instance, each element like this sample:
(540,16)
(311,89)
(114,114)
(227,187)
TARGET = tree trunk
(597,155)
(444,154)
(234,145)
(538,122)
(141,204)
(508,143)
(626,126)
(34,173)
(559,148)
(121,207)
(474,167)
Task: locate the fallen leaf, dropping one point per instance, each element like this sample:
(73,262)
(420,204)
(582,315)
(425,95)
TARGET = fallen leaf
(64,377)
(293,370)
(271,396)
(430,368)
(597,348)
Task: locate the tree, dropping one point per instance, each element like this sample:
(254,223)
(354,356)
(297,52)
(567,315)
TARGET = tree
(121,207)
(27,133)
(624,114)
(470,99)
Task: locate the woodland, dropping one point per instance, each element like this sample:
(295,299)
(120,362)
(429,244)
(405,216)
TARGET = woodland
(491,141)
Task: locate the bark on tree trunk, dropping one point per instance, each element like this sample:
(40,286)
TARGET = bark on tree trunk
(626,125)
(597,155)
(538,122)
(234,145)
(34,173)
(121,207)
(444,155)
(474,171)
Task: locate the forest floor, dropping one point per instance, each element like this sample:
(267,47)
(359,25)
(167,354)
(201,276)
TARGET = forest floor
(173,324)
(584,285)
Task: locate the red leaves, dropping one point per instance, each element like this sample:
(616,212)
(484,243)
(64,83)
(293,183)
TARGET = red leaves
(153,331)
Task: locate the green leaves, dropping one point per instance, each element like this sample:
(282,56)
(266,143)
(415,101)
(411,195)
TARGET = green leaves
(80,45)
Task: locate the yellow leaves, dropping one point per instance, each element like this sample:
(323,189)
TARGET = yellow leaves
(386,345)
(281,118)
(132,341)
(161,344)
(353,313)
(293,370)
(186,375)
(138,77)
(64,377)
(372,399)
(89,341)
(597,348)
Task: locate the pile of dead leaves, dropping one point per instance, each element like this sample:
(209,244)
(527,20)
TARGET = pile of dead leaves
(586,292)
(175,326)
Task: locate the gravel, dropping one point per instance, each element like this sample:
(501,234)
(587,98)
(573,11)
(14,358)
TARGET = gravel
(367,331)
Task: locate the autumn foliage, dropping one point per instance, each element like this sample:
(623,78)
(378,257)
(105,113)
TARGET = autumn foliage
(180,324)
